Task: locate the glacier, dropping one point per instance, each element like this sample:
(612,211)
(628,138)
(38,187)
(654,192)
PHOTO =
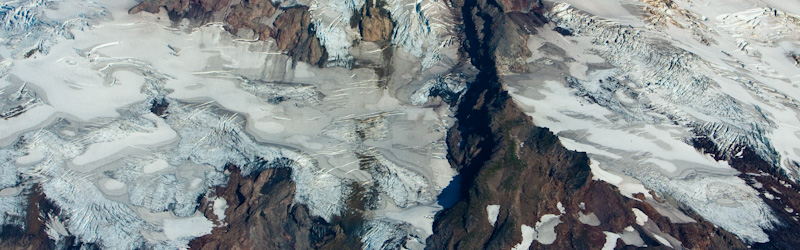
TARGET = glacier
(633,87)
(124,173)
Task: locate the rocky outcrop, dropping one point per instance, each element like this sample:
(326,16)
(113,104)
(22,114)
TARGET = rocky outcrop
(34,236)
(292,29)
(374,22)
(505,160)
(154,6)
(251,15)
(519,5)
(294,34)
(510,24)
(260,214)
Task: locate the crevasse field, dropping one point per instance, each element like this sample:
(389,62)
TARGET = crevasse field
(632,92)
(78,82)
(78,79)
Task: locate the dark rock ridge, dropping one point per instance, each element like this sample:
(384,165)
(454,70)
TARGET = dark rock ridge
(292,29)
(261,214)
(504,159)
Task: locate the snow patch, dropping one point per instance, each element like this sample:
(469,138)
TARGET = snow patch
(589,219)
(220,205)
(187,228)
(641,217)
(527,238)
(492,211)
(611,241)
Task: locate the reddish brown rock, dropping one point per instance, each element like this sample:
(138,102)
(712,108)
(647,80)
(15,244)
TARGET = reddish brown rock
(33,235)
(374,22)
(248,14)
(154,6)
(519,5)
(292,29)
(261,214)
(504,159)
(294,33)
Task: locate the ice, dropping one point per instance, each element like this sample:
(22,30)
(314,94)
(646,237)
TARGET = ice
(85,130)
(155,166)
(220,205)
(662,240)
(332,25)
(641,218)
(449,87)
(492,211)
(423,28)
(93,218)
(22,17)
(611,241)
(545,228)
(386,234)
(543,231)
(12,209)
(633,95)
(112,184)
(674,78)
(161,134)
(156,194)
(187,228)
(589,219)
(404,187)
(527,238)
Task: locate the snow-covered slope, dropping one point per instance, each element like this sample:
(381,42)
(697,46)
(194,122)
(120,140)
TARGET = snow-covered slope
(636,81)
(83,83)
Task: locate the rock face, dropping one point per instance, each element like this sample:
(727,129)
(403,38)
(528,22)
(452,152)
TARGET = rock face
(374,22)
(294,33)
(508,33)
(519,5)
(34,236)
(260,214)
(292,29)
(154,6)
(504,159)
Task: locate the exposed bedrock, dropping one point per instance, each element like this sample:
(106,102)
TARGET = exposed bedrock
(374,22)
(39,211)
(539,191)
(292,29)
(261,214)
(294,34)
